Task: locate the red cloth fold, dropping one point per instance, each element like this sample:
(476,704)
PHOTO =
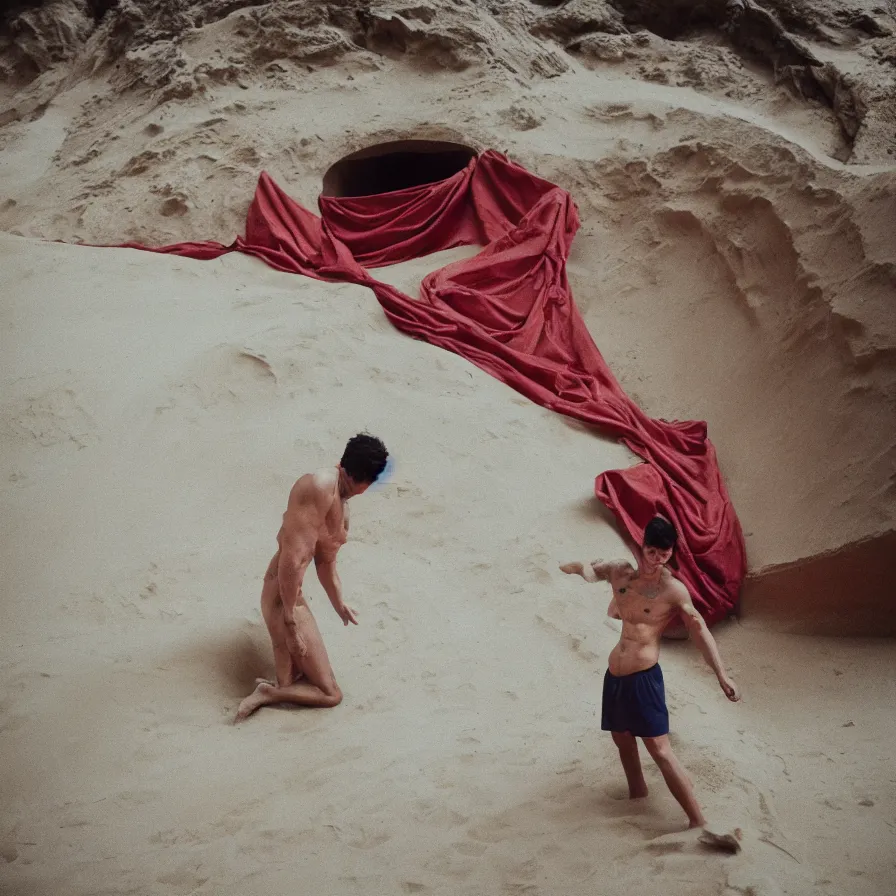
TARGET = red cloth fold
(510,311)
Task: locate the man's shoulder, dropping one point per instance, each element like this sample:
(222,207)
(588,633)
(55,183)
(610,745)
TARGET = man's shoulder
(325,480)
(676,591)
(621,569)
(315,487)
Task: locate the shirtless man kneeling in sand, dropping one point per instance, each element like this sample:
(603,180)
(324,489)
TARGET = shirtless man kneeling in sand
(647,599)
(315,526)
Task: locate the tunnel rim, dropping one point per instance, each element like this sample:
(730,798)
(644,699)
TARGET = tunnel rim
(380,149)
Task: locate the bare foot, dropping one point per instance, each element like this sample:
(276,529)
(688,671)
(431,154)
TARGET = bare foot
(296,676)
(637,793)
(258,698)
(573,569)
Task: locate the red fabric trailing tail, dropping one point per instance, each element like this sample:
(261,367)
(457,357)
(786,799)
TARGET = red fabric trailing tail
(510,311)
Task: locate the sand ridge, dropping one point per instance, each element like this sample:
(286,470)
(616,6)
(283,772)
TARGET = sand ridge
(469,726)
(735,264)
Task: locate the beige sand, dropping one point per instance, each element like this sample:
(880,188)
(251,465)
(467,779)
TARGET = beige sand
(736,263)
(155,412)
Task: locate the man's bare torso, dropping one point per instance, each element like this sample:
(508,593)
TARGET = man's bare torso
(645,611)
(316,518)
(315,526)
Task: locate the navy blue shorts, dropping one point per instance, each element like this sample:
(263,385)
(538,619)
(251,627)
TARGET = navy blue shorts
(635,703)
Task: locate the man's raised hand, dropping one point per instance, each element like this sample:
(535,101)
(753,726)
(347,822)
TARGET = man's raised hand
(578,569)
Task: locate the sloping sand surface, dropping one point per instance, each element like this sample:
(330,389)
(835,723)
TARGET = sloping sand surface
(733,165)
(156,412)
(703,236)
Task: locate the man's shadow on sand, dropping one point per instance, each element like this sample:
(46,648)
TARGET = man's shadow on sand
(231,659)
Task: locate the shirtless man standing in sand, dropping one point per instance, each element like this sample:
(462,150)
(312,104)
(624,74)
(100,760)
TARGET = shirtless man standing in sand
(315,526)
(647,599)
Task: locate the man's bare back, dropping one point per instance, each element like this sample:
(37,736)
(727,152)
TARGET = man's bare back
(314,528)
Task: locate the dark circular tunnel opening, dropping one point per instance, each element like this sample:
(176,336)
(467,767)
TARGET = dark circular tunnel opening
(398,165)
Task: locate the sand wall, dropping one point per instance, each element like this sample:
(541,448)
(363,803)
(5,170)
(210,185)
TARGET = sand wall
(733,164)
(845,592)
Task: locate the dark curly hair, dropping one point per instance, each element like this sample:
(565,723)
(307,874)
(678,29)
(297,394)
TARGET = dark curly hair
(660,533)
(364,457)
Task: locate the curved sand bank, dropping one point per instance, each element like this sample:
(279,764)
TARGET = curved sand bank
(735,263)
(704,236)
(155,413)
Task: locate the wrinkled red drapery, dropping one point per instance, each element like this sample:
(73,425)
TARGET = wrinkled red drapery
(510,311)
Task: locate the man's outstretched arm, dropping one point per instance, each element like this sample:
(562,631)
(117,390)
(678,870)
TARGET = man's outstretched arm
(597,570)
(702,637)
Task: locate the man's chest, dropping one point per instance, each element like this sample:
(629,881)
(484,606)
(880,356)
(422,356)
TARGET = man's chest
(335,523)
(637,603)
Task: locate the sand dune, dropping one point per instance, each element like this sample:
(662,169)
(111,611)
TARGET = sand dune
(735,264)
(162,408)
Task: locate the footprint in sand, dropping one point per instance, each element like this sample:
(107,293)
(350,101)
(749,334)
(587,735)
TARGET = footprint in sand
(489,832)
(358,837)
(184,881)
(744,881)
(619,794)
(671,843)
(474,848)
(137,797)
(369,840)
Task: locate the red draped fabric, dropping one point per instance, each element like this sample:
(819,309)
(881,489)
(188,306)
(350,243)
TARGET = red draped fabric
(510,311)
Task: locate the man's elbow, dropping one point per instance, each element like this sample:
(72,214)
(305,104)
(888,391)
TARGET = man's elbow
(695,625)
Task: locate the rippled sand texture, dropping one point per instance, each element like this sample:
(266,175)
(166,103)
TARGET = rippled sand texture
(736,180)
